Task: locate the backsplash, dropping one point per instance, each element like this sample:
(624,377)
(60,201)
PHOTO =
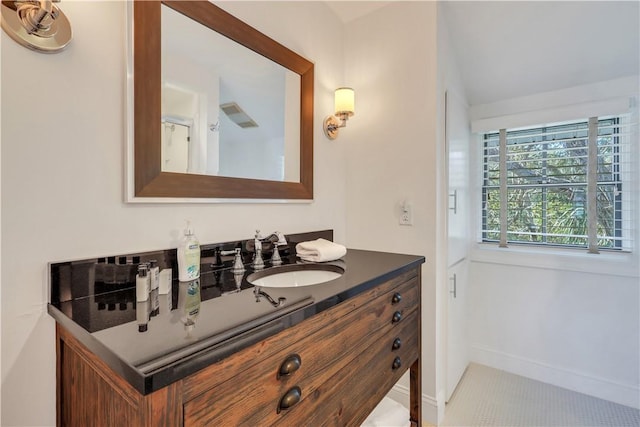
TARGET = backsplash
(110,282)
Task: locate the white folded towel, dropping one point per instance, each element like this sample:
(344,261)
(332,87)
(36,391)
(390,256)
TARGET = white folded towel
(320,250)
(388,413)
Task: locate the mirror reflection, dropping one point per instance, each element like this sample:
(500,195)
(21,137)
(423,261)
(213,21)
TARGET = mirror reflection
(179,138)
(226,110)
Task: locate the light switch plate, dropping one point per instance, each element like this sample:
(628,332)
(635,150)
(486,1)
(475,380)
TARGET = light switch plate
(406,214)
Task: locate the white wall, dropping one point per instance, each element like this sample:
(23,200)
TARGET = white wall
(0,227)
(392,145)
(63,175)
(565,317)
(575,330)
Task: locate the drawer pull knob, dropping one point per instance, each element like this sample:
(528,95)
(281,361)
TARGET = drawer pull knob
(290,398)
(397,343)
(290,365)
(397,363)
(397,316)
(396,298)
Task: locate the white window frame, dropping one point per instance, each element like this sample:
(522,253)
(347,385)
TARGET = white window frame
(620,239)
(625,264)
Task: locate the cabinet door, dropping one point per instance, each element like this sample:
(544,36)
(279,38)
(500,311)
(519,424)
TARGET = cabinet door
(458,137)
(458,236)
(457,348)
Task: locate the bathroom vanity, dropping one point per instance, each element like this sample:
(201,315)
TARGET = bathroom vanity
(326,355)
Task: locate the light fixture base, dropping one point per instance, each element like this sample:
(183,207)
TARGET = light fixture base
(331,125)
(40,26)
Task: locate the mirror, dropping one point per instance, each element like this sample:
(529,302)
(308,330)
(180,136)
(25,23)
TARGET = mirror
(226,111)
(200,128)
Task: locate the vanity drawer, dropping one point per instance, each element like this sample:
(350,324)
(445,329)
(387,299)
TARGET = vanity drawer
(322,355)
(407,284)
(346,397)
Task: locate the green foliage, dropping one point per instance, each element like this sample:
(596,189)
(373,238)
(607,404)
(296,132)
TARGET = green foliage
(547,190)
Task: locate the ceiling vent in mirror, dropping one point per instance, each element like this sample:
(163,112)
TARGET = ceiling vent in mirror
(237,115)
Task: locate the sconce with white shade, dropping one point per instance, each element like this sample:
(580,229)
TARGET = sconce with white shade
(344,108)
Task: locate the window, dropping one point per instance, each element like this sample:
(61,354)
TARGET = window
(560,185)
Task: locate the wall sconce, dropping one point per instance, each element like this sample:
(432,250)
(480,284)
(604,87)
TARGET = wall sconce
(36,24)
(344,108)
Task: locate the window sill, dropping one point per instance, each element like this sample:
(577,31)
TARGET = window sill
(617,264)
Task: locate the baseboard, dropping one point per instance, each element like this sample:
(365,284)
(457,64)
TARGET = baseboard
(602,388)
(400,393)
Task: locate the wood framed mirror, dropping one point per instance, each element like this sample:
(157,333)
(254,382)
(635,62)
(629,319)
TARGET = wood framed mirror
(153,183)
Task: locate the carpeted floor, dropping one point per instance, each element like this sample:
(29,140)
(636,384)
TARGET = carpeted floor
(490,397)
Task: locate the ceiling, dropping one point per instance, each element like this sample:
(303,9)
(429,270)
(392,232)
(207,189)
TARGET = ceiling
(508,49)
(347,11)
(511,49)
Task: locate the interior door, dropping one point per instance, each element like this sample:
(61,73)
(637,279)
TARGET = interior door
(457,135)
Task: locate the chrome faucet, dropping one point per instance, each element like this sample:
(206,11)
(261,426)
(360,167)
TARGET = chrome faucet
(258,262)
(258,292)
(276,239)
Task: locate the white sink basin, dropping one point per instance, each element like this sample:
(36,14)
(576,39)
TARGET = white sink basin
(295,275)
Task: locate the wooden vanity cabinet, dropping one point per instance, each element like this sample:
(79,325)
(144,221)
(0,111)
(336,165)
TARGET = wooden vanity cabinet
(331,369)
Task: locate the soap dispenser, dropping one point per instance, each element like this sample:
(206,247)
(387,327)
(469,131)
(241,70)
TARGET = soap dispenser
(189,300)
(189,256)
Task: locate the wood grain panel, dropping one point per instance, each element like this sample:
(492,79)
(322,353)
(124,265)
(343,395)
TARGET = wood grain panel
(415,372)
(323,354)
(350,395)
(224,370)
(91,393)
(346,369)
(164,407)
(88,399)
(119,385)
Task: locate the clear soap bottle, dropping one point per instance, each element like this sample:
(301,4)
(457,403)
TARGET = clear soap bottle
(189,303)
(188,256)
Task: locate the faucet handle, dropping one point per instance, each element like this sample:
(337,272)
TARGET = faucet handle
(238,265)
(275,258)
(258,263)
(281,239)
(257,242)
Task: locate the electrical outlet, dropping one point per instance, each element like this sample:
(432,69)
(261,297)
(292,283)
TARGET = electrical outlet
(406,216)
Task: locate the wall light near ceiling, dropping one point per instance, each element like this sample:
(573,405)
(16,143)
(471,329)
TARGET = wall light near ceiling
(344,108)
(37,24)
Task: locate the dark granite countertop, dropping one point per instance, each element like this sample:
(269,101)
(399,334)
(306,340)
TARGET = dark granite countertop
(230,315)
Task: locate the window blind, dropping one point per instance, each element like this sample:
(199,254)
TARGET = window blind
(562,185)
